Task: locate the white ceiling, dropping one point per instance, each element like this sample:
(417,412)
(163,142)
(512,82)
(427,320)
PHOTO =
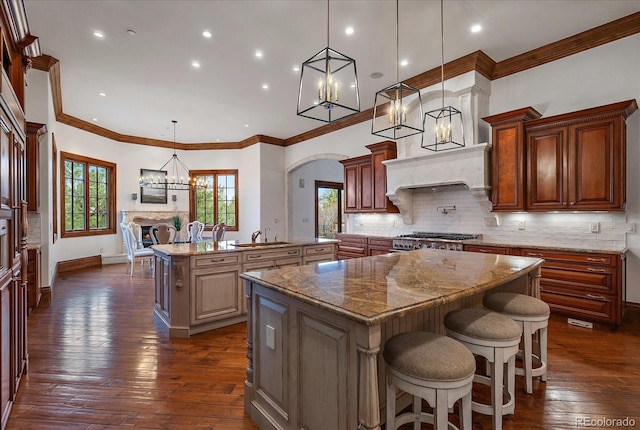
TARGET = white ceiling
(149,80)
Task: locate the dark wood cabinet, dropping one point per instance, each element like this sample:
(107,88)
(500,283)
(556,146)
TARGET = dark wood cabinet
(365,180)
(507,157)
(34,132)
(351,246)
(379,245)
(582,285)
(488,249)
(575,161)
(33,278)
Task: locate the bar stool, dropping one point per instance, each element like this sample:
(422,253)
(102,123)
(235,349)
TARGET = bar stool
(432,367)
(496,338)
(532,314)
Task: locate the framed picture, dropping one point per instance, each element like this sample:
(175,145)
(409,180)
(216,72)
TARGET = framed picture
(153,195)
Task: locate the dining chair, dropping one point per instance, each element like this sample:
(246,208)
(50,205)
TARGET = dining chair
(162,234)
(137,234)
(218,231)
(194,230)
(134,253)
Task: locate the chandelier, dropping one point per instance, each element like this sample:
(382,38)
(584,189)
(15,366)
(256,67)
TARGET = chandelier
(173,175)
(447,119)
(328,85)
(390,118)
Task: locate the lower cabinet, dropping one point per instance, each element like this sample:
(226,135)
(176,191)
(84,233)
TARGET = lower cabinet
(6,394)
(216,294)
(488,249)
(318,253)
(379,245)
(33,278)
(351,246)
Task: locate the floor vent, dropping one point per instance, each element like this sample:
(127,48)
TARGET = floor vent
(580,323)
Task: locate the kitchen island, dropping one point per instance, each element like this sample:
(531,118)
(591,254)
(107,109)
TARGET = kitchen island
(314,333)
(198,286)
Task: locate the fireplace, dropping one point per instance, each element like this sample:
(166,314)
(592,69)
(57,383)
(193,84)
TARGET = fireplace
(146,219)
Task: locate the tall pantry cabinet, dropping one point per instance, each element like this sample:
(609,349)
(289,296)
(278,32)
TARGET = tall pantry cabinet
(17,47)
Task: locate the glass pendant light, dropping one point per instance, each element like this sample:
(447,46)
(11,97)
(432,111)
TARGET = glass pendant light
(328,85)
(393,110)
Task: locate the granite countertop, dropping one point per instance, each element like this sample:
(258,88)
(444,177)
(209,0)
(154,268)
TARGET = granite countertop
(212,247)
(483,242)
(371,290)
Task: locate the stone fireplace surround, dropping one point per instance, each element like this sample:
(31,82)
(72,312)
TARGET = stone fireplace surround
(149,218)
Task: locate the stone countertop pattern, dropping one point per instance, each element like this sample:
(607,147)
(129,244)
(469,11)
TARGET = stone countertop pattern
(212,247)
(482,242)
(371,290)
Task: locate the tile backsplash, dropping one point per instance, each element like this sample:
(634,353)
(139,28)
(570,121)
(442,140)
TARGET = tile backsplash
(33,234)
(472,215)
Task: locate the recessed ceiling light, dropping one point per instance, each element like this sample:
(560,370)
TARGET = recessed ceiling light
(102,94)
(376,75)
(94,119)
(404,63)
(353,85)
(265,86)
(296,68)
(195,64)
(98,34)
(246,125)
(131,32)
(258,54)
(207,34)
(476,28)
(348,30)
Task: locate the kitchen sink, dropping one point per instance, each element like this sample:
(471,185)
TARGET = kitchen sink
(259,244)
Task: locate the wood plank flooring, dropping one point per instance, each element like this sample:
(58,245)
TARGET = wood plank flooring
(98,360)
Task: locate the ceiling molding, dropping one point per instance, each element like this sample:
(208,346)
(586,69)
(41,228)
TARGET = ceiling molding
(476,61)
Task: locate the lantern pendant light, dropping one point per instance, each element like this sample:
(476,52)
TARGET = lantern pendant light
(328,85)
(397,111)
(448,132)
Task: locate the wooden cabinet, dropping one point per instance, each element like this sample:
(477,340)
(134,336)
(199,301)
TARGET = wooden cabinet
(33,278)
(34,131)
(6,395)
(365,180)
(215,293)
(575,161)
(318,253)
(489,249)
(583,285)
(379,245)
(351,246)
(507,157)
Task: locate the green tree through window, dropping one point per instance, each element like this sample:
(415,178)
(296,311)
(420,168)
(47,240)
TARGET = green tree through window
(89,196)
(219,202)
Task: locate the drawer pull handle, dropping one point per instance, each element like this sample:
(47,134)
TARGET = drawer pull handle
(535,255)
(217,260)
(292,252)
(319,249)
(599,260)
(594,269)
(484,250)
(255,256)
(593,296)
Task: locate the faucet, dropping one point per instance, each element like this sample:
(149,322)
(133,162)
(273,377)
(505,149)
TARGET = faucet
(265,234)
(255,235)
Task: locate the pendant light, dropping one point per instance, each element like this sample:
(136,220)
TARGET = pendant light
(392,116)
(173,175)
(328,85)
(448,131)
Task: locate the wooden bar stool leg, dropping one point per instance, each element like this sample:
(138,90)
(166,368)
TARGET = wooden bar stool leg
(465,412)
(527,356)
(417,409)
(441,411)
(543,351)
(497,368)
(391,407)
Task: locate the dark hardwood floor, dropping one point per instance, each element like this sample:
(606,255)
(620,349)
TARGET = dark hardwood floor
(98,360)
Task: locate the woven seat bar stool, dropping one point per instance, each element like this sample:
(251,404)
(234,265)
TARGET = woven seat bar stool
(432,367)
(533,316)
(496,338)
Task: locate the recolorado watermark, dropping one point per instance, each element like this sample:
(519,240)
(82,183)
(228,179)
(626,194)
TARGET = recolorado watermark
(603,422)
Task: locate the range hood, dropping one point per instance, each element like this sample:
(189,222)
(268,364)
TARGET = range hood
(468,167)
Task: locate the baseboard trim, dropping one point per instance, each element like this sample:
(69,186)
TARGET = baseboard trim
(45,299)
(632,305)
(79,263)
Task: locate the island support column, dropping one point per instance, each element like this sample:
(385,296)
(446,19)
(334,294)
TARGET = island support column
(369,339)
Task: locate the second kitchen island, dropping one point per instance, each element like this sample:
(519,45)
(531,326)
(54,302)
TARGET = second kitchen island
(314,333)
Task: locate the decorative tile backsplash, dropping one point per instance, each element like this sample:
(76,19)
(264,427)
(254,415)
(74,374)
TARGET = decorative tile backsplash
(471,216)
(34,232)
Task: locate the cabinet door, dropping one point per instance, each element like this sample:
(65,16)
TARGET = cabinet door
(596,181)
(366,187)
(5,157)
(351,188)
(5,347)
(215,294)
(508,165)
(547,169)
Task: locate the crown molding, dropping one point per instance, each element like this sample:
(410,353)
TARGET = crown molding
(476,61)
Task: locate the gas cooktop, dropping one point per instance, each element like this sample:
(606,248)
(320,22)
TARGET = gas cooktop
(444,236)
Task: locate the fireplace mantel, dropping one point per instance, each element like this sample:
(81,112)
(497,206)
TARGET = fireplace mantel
(147,218)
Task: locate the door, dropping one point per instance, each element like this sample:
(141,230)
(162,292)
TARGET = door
(547,169)
(329,199)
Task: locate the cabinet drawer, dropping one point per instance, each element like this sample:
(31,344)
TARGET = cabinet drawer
(214,260)
(582,278)
(382,243)
(488,249)
(592,307)
(571,257)
(271,264)
(355,250)
(272,254)
(352,240)
(318,249)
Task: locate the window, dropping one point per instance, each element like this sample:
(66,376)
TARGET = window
(329,212)
(219,202)
(88,187)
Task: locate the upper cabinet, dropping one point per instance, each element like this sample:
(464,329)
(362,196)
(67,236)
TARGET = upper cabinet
(574,161)
(365,180)
(34,132)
